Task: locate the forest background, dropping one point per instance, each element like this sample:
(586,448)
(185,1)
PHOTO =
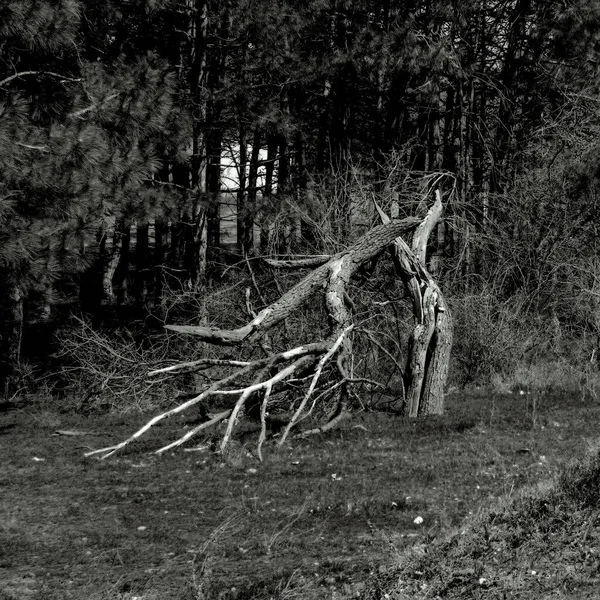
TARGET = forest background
(120,122)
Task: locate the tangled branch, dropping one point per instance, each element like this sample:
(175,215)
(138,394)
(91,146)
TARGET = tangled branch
(299,358)
(311,367)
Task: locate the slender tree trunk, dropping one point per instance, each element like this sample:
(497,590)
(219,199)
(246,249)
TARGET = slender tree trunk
(217,69)
(180,223)
(114,269)
(161,230)
(284,188)
(141,263)
(251,196)
(508,105)
(213,184)
(121,277)
(265,222)
(323,130)
(197,84)
(242,194)
(12,333)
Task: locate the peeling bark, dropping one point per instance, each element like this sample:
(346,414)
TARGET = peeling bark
(431,340)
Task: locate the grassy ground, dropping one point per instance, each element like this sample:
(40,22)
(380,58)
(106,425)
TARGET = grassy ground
(542,544)
(327,517)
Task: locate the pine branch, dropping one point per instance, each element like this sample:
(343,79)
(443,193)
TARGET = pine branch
(63,78)
(30,147)
(88,109)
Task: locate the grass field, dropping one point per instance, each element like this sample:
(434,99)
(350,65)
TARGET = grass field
(326,517)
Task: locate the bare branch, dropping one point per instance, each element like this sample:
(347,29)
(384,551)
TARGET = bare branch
(313,383)
(197,365)
(216,419)
(83,111)
(63,78)
(263,419)
(195,400)
(370,334)
(382,215)
(342,414)
(247,392)
(308,262)
(214,335)
(299,354)
(171,184)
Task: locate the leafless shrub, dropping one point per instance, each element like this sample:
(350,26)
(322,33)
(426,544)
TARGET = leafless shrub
(109,371)
(493,336)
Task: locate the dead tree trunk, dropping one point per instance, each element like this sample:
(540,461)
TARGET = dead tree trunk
(262,378)
(431,339)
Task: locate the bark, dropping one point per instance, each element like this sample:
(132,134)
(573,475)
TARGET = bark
(431,339)
(242,193)
(197,84)
(251,207)
(16,298)
(213,185)
(216,71)
(432,395)
(121,273)
(141,263)
(418,347)
(298,263)
(111,261)
(161,229)
(12,320)
(265,223)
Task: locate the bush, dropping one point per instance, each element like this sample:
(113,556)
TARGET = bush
(109,370)
(493,337)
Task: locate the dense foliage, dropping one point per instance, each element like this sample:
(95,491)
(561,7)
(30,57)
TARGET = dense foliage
(115,118)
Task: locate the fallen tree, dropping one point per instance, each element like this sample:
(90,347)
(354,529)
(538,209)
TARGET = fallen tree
(253,383)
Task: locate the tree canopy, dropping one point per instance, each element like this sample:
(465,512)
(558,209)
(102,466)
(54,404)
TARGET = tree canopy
(114,118)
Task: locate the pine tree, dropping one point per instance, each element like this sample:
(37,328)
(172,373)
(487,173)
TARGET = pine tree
(80,143)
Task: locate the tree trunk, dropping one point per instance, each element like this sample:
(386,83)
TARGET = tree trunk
(197,84)
(242,193)
(121,272)
(11,334)
(431,340)
(265,221)
(141,263)
(161,231)
(251,194)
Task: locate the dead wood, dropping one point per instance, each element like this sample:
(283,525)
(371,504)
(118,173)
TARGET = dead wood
(305,262)
(304,367)
(353,257)
(431,340)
